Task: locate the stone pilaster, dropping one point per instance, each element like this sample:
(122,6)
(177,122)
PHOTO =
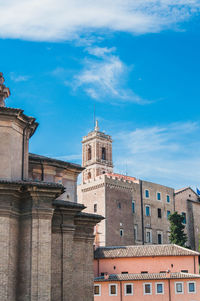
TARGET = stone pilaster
(8,242)
(35,242)
(63,229)
(83,256)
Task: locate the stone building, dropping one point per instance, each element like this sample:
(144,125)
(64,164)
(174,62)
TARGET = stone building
(136,211)
(187,203)
(44,233)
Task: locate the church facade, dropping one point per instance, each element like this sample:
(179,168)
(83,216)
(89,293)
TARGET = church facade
(46,240)
(136,211)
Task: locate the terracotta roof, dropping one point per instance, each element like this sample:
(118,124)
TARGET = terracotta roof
(154,276)
(119,176)
(143,251)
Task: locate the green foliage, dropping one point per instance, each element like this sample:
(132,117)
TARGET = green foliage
(177,235)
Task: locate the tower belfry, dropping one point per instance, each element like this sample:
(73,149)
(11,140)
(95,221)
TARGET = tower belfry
(96,154)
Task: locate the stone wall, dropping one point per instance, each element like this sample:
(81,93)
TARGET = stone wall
(45,244)
(187,201)
(153,222)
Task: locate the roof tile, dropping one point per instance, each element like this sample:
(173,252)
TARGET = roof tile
(143,251)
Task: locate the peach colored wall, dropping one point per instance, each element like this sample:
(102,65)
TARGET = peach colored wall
(138,294)
(149,264)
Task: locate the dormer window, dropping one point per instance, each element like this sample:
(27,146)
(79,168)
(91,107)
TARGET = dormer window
(103,153)
(89,153)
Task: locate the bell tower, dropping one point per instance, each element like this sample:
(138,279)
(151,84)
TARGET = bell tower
(96,154)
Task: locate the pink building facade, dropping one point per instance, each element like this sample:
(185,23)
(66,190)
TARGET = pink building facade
(156,272)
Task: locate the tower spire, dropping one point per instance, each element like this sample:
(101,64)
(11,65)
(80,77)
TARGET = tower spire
(4,91)
(96,126)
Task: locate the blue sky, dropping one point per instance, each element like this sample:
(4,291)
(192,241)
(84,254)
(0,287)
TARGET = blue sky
(138,62)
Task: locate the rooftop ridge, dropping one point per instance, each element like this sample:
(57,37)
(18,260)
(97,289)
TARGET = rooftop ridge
(148,276)
(143,251)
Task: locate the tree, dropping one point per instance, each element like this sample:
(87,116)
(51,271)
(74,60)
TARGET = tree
(177,235)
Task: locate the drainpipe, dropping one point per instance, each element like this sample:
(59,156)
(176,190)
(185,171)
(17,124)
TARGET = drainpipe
(142,211)
(169,284)
(42,171)
(62,254)
(194,265)
(23,141)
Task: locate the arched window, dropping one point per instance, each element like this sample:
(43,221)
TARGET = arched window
(89,153)
(103,153)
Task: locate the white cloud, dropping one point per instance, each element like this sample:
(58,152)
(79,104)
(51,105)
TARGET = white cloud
(168,155)
(50,20)
(104,78)
(100,51)
(18,78)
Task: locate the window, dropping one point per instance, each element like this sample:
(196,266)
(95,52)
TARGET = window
(102,274)
(119,205)
(191,287)
(124,272)
(144,272)
(146,193)
(159,235)
(133,206)
(89,175)
(89,153)
(103,153)
(147,210)
(184,216)
(158,196)
(159,213)
(128,288)
(95,207)
(179,287)
(168,213)
(121,232)
(159,288)
(135,232)
(97,290)
(168,199)
(148,236)
(184,271)
(147,288)
(112,289)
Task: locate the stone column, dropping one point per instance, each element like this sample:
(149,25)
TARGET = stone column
(35,243)
(83,257)
(8,242)
(62,249)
